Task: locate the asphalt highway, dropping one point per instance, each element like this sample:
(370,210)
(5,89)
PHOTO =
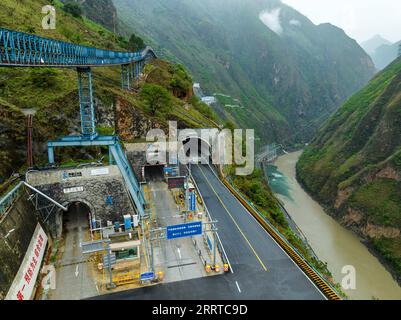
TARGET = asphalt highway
(260,269)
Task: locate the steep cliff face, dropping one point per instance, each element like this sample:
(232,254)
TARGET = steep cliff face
(353,165)
(102,12)
(287,73)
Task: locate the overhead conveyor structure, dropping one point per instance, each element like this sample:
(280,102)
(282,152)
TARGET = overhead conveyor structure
(18,49)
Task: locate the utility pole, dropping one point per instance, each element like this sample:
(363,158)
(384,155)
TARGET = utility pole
(114,23)
(29,145)
(111,284)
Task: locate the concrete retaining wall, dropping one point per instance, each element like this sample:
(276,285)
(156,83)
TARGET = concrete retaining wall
(22,217)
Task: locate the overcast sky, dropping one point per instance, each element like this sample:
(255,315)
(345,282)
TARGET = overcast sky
(360,19)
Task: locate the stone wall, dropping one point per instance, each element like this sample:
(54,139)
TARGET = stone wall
(91,186)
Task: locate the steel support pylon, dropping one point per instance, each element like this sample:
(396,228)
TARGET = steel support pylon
(87,108)
(126,77)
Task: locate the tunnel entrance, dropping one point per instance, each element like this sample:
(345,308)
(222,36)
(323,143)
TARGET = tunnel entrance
(197,150)
(154,173)
(76,219)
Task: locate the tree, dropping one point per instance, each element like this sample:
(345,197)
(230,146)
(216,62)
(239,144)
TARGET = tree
(135,43)
(73,8)
(157,99)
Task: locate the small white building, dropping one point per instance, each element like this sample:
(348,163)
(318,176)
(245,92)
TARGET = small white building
(209,100)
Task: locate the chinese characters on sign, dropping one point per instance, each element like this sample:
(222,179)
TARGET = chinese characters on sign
(24,282)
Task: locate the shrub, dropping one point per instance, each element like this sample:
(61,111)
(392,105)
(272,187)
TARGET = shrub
(135,43)
(156,98)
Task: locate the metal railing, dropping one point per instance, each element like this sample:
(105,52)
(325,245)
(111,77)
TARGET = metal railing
(314,275)
(28,50)
(8,200)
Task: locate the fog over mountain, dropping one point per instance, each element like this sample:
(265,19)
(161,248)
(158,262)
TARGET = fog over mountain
(288,73)
(373,43)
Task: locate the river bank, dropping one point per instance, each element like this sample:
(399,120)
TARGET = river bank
(331,242)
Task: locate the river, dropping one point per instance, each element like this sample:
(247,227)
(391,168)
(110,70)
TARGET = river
(331,242)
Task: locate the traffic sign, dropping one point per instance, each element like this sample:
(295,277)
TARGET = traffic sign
(176,182)
(106,260)
(168,170)
(184,230)
(147,276)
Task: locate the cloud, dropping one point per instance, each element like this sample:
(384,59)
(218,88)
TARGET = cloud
(294,22)
(272,20)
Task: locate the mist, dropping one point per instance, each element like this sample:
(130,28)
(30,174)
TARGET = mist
(360,19)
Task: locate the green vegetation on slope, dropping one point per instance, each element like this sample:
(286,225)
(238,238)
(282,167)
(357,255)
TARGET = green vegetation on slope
(53,93)
(287,83)
(257,191)
(353,165)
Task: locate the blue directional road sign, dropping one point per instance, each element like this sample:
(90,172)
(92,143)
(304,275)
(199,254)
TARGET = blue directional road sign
(168,170)
(184,230)
(147,276)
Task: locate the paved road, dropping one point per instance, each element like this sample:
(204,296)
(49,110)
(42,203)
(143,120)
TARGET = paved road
(261,269)
(176,258)
(74,279)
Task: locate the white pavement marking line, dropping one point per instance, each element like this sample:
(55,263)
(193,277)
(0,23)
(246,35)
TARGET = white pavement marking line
(179,253)
(270,236)
(210,217)
(76,270)
(239,289)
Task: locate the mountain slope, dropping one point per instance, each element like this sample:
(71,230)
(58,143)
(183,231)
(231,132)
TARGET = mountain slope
(100,11)
(385,54)
(375,42)
(288,73)
(53,93)
(353,165)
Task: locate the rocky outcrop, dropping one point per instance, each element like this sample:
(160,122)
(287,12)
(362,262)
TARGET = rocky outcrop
(377,232)
(342,196)
(353,217)
(131,122)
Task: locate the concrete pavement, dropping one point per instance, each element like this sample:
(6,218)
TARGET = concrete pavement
(74,277)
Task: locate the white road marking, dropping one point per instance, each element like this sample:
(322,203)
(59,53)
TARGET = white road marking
(270,236)
(76,270)
(210,216)
(239,289)
(179,253)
